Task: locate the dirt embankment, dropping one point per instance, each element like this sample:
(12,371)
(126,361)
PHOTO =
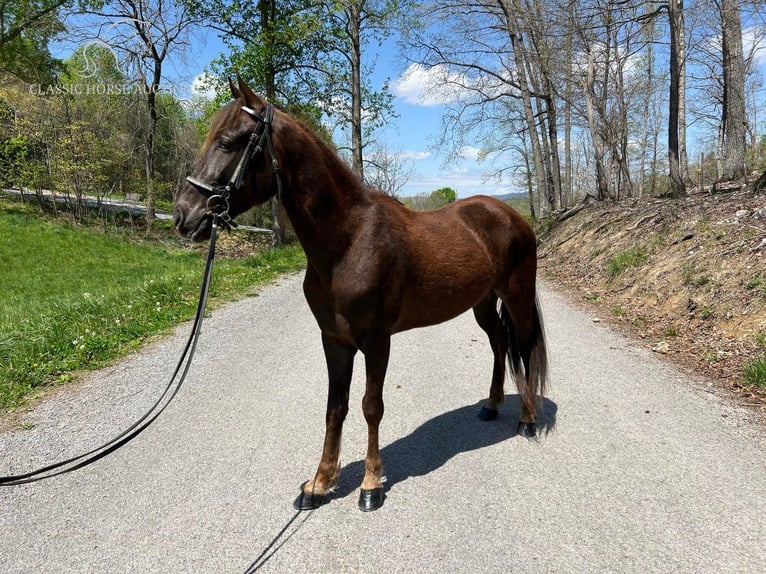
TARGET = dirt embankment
(686,277)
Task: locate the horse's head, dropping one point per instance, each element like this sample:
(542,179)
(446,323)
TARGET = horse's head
(231,173)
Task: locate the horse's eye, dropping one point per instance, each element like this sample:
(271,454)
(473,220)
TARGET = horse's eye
(224,145)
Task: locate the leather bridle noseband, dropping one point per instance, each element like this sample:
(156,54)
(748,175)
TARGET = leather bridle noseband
(218,197)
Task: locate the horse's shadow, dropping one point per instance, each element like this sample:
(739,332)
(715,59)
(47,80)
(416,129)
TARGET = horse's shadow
(436,441)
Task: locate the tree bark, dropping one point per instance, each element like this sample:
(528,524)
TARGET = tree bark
(354,32)
(734,118)
(675,15)
(267,12)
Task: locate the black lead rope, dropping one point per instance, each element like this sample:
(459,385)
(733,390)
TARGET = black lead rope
(171,390)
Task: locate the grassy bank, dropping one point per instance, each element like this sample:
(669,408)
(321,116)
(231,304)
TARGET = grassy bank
(76,298)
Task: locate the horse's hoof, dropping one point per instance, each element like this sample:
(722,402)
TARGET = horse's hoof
(370,500)
(486,414)
(528,430)
(310,501)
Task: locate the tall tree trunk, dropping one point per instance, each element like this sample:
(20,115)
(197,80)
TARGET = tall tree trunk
(602,183)
(355,27)
(734,114)
(675,15)
(645,115)
(683,156)
(569,94)
(267,12)
(151,99)
(510,11)
(530,187)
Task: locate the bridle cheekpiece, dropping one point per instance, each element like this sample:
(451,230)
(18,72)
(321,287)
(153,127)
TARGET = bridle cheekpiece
(218,197)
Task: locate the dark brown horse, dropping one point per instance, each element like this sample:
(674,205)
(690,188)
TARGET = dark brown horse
(374,267)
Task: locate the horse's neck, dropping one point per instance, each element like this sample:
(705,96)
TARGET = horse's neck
(324,205)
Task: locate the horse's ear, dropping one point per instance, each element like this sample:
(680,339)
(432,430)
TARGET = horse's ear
(247,92)
(235,93)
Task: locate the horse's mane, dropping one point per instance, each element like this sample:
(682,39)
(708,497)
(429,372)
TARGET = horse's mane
(339,168)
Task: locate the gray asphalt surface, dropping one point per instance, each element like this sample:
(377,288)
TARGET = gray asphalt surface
(641,470)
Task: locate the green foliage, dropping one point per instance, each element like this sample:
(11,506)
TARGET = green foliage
(434,200)
(26,28)
(17,153)
(86,135)
(81,297)
(444,195)
(298,51)
(633,257)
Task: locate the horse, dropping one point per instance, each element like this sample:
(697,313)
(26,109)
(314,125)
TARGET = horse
(374,267)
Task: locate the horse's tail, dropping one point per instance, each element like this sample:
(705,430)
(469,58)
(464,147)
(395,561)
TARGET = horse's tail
(527,355)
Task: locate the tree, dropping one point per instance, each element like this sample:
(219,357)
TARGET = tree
(734,120)
(388,171)
(356,23)
(26,28)
(677,78)
(444,195)
(494,64)
(145,33)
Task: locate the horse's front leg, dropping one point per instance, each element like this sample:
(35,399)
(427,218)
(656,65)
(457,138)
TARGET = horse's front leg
(376,350)
(340,365)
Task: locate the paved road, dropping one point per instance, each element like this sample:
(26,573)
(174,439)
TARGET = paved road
(642,469)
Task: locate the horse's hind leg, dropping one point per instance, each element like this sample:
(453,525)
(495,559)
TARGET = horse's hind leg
(340,364)
(488,319)
(521,320)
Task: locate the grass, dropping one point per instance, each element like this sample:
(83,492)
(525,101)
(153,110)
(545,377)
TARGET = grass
(755,373)
(76,298)
(670,331)
(633,257)
(755,370)
(758,281)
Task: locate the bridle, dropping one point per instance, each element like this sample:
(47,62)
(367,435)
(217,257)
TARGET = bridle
(218,196)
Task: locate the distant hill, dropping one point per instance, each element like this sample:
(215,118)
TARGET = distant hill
(511,196)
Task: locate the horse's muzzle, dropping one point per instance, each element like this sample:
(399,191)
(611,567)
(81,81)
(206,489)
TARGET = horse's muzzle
(194,224)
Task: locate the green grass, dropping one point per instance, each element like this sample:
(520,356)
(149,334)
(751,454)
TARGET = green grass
(76,298)
(633,257)
(755,373)
(758,281)
(670,331)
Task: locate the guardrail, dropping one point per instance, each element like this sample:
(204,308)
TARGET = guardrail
(130,206)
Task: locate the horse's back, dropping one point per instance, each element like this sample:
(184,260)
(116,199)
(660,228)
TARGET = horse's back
(450,258)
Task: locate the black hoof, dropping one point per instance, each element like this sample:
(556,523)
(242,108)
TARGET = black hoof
(486,414)
(310,501)
(528,430)
(370,500)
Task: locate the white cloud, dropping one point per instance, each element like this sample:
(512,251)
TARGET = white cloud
(469,152)
(203,86)
(415,155)
(754,43)
(424,86)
